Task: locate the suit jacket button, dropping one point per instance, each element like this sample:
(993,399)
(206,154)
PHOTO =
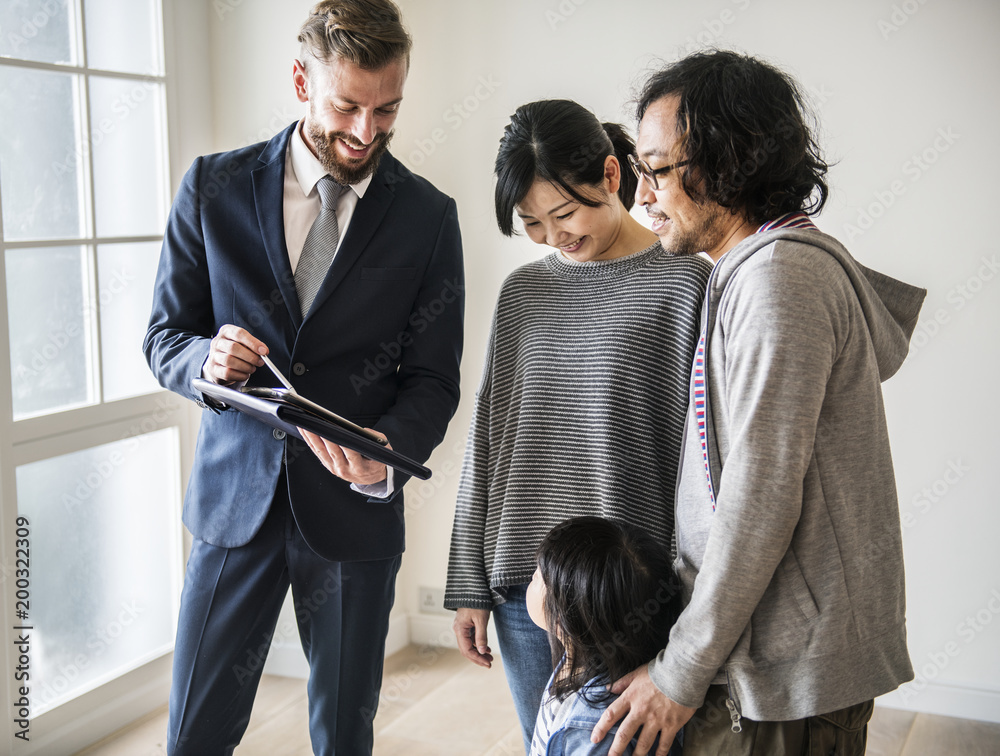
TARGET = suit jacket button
(298,368)
(278,434)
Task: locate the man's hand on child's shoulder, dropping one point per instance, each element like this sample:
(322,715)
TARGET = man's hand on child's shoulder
(642,705)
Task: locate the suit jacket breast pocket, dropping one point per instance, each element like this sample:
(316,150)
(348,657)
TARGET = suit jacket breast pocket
(388,274)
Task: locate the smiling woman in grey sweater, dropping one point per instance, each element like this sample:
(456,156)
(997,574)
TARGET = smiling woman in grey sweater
(582,401)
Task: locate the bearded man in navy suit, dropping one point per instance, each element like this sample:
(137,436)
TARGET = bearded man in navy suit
(380,344)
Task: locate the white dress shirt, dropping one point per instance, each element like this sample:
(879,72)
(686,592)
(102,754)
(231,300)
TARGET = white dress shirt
(301,205)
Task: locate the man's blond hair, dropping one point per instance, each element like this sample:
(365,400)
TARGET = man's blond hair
(367,33)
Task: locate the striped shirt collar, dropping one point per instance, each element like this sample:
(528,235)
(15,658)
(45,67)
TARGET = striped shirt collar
(798,219)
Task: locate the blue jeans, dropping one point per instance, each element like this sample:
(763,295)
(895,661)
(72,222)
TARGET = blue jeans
(527,657)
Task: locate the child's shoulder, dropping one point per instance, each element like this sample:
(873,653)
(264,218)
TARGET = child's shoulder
(572,719)
(579,714)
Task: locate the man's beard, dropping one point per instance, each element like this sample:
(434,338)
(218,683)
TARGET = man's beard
(707,234)
(347,172)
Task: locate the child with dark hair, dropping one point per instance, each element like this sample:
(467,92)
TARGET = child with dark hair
(607,596)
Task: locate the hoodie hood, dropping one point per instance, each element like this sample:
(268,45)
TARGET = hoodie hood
(891,307)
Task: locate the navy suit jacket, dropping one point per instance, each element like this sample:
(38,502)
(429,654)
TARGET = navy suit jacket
(381,344)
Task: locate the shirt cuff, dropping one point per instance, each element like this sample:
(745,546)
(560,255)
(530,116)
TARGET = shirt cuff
(381,490)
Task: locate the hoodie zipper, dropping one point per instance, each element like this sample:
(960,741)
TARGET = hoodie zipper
(734,711)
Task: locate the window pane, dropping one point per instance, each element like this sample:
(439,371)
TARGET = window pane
(125,275)
(48,315)
(104,555)
(124,35)
(127,128)
(41,155)
(38,30)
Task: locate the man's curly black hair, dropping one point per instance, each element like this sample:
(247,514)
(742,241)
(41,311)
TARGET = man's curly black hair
(742,124)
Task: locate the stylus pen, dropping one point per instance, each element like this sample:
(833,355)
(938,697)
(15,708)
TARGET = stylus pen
(281,377)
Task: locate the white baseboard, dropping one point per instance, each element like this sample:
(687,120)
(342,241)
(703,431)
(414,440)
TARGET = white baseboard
(398,637)
(928,697)
(435,630)
(432,630)
(286,658)
(126,699)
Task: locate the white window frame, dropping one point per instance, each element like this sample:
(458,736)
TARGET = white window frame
(115,703)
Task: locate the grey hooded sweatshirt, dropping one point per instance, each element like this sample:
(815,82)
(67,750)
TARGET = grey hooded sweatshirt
(793,581)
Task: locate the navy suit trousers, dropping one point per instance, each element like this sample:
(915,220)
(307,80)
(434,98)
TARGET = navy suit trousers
(229,610)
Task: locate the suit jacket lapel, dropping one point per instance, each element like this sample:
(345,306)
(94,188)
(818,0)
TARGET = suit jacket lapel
(368,215)
(269,192)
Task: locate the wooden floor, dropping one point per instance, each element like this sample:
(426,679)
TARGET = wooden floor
(434,703)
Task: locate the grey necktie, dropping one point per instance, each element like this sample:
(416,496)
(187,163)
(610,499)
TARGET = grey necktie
(320,245)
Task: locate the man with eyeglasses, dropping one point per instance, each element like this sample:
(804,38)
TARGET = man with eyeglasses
(787,521)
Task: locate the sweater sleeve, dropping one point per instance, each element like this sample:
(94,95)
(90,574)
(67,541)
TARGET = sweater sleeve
(782,324)
(468,584)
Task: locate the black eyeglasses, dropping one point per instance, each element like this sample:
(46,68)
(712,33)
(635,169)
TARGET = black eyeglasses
(642,170)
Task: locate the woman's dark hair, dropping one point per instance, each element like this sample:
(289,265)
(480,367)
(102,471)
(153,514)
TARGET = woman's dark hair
(610,597)
(562,142)
(742,125)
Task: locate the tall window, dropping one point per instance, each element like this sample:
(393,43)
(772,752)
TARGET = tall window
(90,450)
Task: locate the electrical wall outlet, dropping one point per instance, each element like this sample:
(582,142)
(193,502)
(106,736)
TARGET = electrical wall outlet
(431,601)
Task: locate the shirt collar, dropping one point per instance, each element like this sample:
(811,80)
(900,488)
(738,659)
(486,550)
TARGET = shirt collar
(796,219)
(308,169)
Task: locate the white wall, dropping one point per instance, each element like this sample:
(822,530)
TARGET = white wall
(906,94)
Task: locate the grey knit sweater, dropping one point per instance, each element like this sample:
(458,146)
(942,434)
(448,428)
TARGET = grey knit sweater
(580,410)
